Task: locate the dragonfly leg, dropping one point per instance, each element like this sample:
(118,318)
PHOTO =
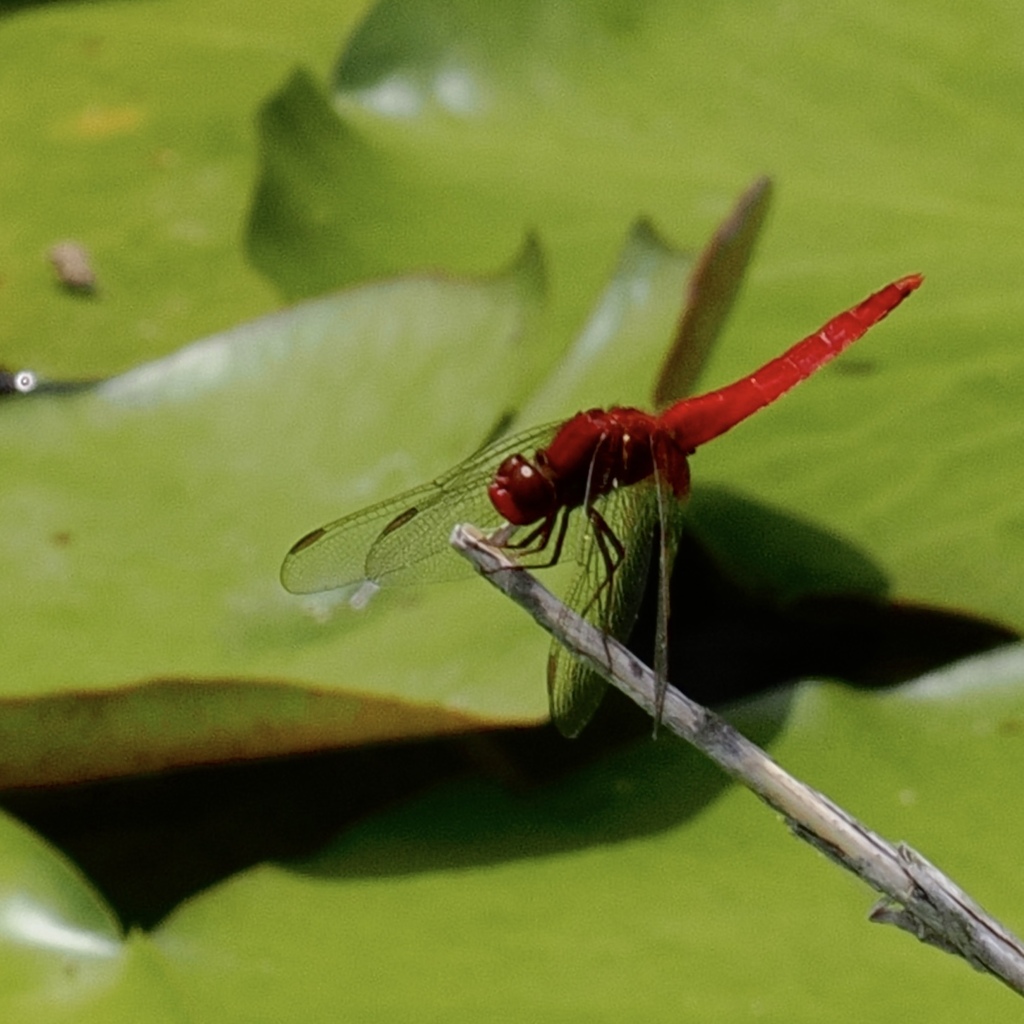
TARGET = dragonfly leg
(611,552)
(537,541)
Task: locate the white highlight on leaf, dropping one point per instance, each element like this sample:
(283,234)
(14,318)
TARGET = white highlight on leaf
(32,925)
(457,91)
(396,96)
(454,89)
(178,377)
(1002,668)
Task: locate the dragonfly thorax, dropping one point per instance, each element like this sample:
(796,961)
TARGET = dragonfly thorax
(592,454)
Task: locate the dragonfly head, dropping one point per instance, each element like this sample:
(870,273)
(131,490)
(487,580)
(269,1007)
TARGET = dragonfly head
(521,492)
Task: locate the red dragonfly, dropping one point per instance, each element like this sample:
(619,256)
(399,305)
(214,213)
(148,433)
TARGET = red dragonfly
(627,471)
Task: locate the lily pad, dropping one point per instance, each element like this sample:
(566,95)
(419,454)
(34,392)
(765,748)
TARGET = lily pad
(645,885)
(144,521)
(128,131)
(459,125)
(163,500)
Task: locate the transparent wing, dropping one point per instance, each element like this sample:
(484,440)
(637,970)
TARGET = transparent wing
(405,539)
(574,690)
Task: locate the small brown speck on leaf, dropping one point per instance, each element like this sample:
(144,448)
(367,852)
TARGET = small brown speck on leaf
(73,267)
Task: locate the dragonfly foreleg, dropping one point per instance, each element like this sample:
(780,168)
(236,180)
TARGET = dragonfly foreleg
(537,541)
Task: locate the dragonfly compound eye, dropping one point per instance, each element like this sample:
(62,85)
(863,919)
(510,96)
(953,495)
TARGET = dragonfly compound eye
(521,493)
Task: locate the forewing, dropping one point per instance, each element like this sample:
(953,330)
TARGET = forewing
(335,555)
(405,539)
(574,690)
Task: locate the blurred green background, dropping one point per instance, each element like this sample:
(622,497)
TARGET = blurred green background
(384,166)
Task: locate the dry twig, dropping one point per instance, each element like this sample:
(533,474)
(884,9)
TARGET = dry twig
(917,896)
